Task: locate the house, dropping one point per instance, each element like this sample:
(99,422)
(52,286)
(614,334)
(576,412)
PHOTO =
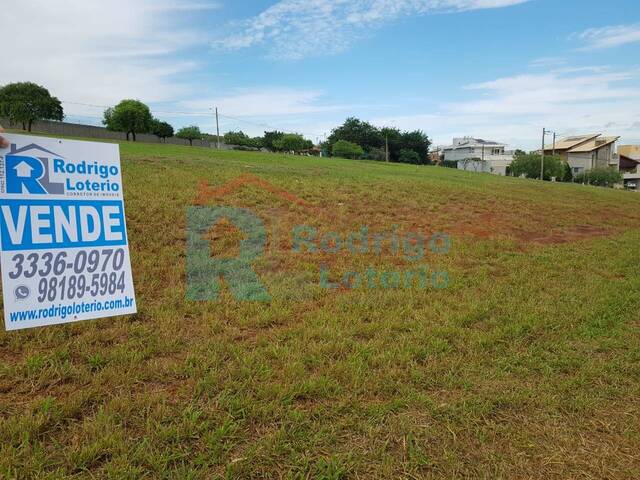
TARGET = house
(630,165)
(436,157)
(478,155)
(586,152)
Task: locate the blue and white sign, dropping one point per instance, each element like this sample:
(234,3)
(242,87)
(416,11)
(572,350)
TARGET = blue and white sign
(63,235)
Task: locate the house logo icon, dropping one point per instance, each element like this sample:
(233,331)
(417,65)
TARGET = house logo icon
(27,171)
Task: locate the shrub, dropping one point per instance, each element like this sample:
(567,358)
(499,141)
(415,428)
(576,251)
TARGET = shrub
(378,154)
(450,163)
(244,148)
(529,165)
(568,173)
(345,149)
(409,156)
(601,177)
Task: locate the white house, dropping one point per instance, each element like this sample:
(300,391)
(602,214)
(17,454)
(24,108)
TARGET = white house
(477,155)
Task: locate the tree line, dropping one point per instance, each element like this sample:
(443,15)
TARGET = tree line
(26,102)
(358,139)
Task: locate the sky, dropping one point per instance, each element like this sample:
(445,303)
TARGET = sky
(493,69)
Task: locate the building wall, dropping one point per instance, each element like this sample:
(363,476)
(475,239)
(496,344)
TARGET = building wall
(582,161)
(496,167)
(465,153)
(603,157)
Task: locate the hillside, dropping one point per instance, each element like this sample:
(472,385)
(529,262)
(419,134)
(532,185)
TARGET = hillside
(525,366)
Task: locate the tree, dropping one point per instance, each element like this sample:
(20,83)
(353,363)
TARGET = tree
(393,138)
(191,133)
(292,142)
(358,132)
(237,138)
(602,177)
(567,176)
(419,143)
(529,165)
(373,139)
(161,129)
(129,116)
(409,156)
(26,102)
(345,149)
(270,138)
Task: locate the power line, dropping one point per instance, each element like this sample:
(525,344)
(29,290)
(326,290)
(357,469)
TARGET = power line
(196,114)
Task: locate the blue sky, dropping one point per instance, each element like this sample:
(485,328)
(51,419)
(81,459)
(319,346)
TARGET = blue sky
(499,69)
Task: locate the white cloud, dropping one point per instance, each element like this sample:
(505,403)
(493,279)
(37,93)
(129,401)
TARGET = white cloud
(547,62)
(267,102)
(608,37)
(514,109)
(294,29)
(97,52)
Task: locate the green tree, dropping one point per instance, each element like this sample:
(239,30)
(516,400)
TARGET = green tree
(373,140)
(419,142)
(529,165)
(292,142)
(345,149)
(358,132)
(191,133)
(161,129)
(393,138)
(270,138)
(237,138)
(601,177)
(409,156)
(567,176)
(26,102)
(129,116)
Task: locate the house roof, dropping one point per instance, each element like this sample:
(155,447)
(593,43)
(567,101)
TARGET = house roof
(571,142)
(628,162)
(634,155)
(473,142)
(594,144)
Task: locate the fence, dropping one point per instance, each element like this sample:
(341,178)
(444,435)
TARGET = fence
(90,131)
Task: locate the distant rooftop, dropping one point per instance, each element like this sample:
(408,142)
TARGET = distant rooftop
(471,141)
(571,142)
(594,144)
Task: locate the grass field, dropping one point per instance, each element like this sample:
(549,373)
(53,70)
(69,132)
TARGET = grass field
(526,366)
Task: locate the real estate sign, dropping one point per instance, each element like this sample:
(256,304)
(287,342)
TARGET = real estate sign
(63,236)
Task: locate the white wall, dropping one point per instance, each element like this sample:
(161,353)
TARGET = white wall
(497,167)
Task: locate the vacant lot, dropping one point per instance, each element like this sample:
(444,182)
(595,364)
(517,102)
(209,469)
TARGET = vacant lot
(526,366)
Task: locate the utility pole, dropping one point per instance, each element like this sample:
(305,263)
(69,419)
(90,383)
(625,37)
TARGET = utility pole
(544,134)
(217,131)
(554,144)
(386,148)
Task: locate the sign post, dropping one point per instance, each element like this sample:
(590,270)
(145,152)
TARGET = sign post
(63,237)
